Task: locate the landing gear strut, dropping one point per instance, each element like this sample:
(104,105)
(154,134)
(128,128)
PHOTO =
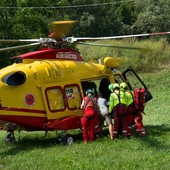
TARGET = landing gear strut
(10,128)
(10,138)
(66,139)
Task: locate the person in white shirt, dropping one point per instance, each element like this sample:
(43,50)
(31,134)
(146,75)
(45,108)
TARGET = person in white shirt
(102,104)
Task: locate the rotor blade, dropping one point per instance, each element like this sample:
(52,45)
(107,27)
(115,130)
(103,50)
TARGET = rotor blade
(19,47)
(20,40)
(109,45)
(73,39)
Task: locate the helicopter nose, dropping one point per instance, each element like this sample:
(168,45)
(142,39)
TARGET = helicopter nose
(15,79)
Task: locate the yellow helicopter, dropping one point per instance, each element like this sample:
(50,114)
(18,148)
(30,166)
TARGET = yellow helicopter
(44,89)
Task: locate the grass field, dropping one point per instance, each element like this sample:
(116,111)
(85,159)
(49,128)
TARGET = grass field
(33,152)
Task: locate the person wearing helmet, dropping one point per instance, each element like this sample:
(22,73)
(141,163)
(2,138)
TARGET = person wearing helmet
(89,105)
(123,86)
(139,94)
(131,111)
(118,107)
(134,117)
(102,104)
(110,87)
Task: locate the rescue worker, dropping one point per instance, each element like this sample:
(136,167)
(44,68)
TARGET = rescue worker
(140,130)
(118,108)
(102,104)
(134,117)
(89,105)
(131,109)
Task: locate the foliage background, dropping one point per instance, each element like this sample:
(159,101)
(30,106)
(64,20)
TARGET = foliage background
(22,19)
(30,19)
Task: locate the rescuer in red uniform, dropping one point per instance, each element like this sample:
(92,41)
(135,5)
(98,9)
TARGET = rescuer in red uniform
(131,109)
(139,94)
(135,104)
(140,129)
(118,107)
(89,105)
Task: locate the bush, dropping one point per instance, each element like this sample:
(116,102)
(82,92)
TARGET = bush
(151,56)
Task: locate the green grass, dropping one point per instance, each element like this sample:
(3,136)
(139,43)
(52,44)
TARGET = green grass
(151,57)
(33,152)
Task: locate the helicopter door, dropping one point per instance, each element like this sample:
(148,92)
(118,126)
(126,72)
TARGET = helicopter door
(62,101)
(134,81)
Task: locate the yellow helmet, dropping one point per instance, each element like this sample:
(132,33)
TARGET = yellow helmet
(116,85)
(123,85)
(110,87)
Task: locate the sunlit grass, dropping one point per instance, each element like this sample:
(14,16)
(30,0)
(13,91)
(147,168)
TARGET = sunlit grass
(152,55)
(33,151)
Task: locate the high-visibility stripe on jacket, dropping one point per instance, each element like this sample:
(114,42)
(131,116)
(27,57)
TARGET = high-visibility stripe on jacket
(130,98)
(116,98)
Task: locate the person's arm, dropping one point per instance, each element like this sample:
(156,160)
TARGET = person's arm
(111,103)
(82,104)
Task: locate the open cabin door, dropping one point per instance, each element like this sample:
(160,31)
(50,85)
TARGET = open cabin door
(134,81)
(97,85)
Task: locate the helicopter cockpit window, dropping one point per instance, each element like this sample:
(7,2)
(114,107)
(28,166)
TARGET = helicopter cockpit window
(55,99)
(73,96)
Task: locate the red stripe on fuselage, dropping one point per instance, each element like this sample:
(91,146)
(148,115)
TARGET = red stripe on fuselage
(27,122)
(23,110)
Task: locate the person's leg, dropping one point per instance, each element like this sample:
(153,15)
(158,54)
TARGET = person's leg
(110,127)
(140,130)
(85,124)
(116,126)
(129,124)
(124,125)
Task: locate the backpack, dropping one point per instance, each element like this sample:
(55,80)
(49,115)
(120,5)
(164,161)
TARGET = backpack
(120,109)
(139,94)
(89,111)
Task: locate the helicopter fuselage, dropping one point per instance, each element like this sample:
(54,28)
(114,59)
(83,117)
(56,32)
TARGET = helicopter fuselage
(45,91)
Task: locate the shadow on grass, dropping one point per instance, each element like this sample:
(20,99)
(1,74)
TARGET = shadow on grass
(157,137)
(30,142)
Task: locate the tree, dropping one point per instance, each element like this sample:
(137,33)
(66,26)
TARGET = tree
(153,16)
